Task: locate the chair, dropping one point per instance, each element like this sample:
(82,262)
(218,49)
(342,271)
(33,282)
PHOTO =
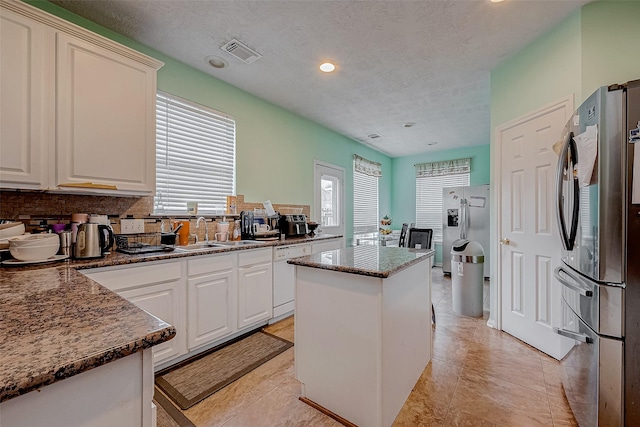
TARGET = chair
(403,235)
(422,237)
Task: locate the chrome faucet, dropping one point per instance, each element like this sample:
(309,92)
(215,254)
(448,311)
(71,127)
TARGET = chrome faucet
(206,229)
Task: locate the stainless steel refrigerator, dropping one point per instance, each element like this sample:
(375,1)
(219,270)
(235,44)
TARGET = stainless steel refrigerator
(465,209)
(598,213)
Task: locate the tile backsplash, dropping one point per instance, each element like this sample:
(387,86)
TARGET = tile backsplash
(34,207)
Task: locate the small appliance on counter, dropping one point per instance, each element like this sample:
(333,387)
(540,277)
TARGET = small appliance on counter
(92,240)
(294,225)
(246,225)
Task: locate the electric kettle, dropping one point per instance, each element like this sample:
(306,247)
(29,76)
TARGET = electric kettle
(92,240)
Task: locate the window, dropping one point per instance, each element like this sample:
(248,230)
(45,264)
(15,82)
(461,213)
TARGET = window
(431,178)
(195,156)
(365,196)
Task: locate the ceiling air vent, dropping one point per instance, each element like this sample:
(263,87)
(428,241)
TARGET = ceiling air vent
(241,51)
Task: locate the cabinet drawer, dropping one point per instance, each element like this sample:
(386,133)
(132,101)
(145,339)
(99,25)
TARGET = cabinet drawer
(209,264)
(133,277)
(254,257)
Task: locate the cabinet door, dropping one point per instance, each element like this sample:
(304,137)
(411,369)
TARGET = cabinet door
(210,307)
(105,129)
(255,293)
(26,104)
(166,302)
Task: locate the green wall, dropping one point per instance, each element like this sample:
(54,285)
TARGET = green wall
(403,198)
(596,46)
(610,44)
(275,147)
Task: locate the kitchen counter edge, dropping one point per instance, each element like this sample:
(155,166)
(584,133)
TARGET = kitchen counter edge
(359,259)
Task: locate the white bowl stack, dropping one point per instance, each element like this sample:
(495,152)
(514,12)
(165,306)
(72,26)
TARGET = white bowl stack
(34,247)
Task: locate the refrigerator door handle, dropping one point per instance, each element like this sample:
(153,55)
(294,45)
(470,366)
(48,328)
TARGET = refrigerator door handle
(464,218)
(585,292)
(568,148)
(573,335)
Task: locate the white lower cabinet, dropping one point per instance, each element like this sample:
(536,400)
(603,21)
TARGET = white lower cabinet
(208,298)
(211,299)
(158,288)
(255,293)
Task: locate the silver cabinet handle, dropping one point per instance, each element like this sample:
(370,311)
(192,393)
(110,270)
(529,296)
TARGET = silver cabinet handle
(582,291)
(573,335)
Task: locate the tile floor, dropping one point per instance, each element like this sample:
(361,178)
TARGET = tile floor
(477,377)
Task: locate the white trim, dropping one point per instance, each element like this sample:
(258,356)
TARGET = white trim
(495,314)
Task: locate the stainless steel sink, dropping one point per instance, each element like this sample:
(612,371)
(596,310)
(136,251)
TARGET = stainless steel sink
(241,243)
(201,246)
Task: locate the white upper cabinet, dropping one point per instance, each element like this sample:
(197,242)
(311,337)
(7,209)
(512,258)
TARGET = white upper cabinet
(26,103)
(82,108)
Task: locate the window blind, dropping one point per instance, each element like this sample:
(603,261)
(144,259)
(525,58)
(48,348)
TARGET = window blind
(195,156)
(429,200)
(365,203)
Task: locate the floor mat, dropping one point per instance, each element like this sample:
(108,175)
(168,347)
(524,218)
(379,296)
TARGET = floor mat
(189,383)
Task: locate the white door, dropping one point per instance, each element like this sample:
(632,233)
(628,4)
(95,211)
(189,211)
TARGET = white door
(328,198)
(529,247)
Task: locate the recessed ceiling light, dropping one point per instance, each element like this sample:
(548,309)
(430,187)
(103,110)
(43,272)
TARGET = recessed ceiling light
(496,1)
(327,67)
(216,62)
(409,124)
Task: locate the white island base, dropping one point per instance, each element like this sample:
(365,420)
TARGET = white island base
(362,342)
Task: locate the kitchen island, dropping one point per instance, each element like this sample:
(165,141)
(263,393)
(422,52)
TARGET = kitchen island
(362,329)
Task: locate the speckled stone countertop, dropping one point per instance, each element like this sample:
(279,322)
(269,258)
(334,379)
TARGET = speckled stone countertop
(375,261)
(55,322)
(116,258)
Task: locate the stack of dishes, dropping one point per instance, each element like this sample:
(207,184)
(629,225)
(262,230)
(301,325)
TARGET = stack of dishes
(34,247)
(8,230)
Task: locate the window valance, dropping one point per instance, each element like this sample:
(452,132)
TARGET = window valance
(367,167)
(447,167)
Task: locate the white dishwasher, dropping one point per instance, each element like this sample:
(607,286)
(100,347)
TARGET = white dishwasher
(284,278)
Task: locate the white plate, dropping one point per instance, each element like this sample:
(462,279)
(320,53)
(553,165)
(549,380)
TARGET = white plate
(18,262)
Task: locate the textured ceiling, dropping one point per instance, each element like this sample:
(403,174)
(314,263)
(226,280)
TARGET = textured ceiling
(398,61)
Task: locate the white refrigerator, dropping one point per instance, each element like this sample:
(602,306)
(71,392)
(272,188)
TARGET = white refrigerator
(472,204)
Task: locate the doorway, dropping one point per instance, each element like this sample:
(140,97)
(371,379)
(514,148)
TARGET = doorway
(328,198)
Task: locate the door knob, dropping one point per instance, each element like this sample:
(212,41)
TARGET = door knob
(505,241)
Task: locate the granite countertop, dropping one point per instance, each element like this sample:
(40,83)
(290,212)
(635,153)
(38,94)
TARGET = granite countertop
(116,258)
(55,322)
(375,261)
